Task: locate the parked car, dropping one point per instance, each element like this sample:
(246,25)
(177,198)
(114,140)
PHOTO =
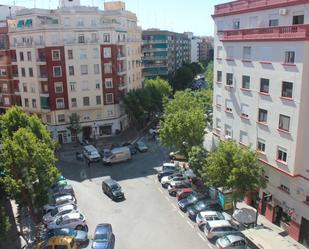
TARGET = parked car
(167,172)
(231,241)
(204,216)
(58,211)
(183,193)
(176,155)
(131,147)
(112,189)
(67,242)
(169,166)
(72,220)
(103,237)
(91,153)
(217,228)
(60,183)
(168,180)
(80,237)
(59,201)
(190,200)
(140,146)
(202,205)
(174,186)
(63,190)
(117,155)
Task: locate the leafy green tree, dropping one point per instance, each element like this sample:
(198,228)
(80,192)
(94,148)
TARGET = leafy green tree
(183,78)
(196,68)
(161,85)
(197,158)
(5,224)
(206,98)
(209,76)
(233,167)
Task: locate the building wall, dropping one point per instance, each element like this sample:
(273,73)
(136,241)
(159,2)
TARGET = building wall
(195,49)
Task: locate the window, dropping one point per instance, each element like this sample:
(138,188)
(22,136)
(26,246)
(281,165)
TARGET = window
(96,69)
(108,83)
(26,102)
(229,79)
(243,138)
(56,55)
(287,89)
(71,70)
(81,39)
(23,72)
(246,54)
(236,24)
(97,85)
(273,22)
(218,100)
(229,52)
(282,154)
(228,132)
(245,82)
(218,123)
(57,71)
(32,88)
(299,19)
(73,102)
(289,57)
(60,103)
(244,110)
(29,55)
(106,37)
(86,101)
(228,105)
(25,89)
(61,118)
(98,100)
(261,145)
(284,122)
(264,87)
(33,103)
(83,54)
(73,86)
(21,56)
(70,54)
(262,115)
(6,101)
(84,69)
(107,53)
(59,87)
(3,72)
(219,76)
(109,98)
(107,68)
(30,72)
(284,188)
(219,52)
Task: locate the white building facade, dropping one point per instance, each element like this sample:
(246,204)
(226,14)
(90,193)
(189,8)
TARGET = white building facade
(77,59)
(261,63)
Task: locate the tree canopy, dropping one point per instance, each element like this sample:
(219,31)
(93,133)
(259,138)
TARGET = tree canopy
(209,76)
(197,158)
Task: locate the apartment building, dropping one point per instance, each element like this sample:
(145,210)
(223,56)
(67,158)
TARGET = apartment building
(163,52)
(261,99)
(194,45)
(77,59)
(205,48)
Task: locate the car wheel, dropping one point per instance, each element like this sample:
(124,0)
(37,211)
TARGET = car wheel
(79,227)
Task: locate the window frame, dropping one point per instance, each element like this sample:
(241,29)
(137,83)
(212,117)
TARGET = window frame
(73,104)
(58,85)
(81,70)
(219,76)
(56,76)
(282,154)
(84,98)
(60,106)
(61,121)
(262,85)
(244,82)
(227,79)
(107,80)
(262,148)
(246,56)
(284,93)
(70,54)
(71,70)
(262,113)
(289,57)
(96,100)
(55,58)
(281,125)
(106,98)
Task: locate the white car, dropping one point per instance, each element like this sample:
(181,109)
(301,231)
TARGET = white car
(60,201)
(205,216)
(167,180)
(72,220)
(58,211)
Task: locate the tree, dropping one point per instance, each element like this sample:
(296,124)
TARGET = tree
(206,98)
(210,75)
(5,224)
(183,78)
(197,158)
(74,126)
(233,167)
(161,85)
(196,68)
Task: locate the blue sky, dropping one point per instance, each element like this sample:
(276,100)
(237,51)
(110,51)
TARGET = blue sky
(174,15)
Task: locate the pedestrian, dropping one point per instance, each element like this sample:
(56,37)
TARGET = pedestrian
(89,163)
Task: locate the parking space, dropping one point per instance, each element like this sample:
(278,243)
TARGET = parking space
(148,217)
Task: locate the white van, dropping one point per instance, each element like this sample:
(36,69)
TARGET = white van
(117,155)
(91,153)
(169,166)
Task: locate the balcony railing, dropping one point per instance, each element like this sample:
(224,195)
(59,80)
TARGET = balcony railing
(245,5)
(295,32)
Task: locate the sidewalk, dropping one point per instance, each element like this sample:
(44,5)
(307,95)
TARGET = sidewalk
(272,234)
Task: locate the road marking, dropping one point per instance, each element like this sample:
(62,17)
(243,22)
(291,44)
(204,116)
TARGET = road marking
(201,236)
(190,224)
(209,245)
(160,190)
(166,198)
(174,206)
(181,214)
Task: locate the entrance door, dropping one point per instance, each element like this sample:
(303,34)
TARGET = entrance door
(304,232)
(278,215)
(264,203)
(60,138)
(87,132)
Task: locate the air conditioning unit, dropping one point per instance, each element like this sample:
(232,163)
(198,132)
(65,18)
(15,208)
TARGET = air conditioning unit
(283,12)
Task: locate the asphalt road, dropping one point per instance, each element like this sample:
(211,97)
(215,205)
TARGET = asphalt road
(148,219)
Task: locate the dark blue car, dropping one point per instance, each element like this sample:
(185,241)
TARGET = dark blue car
(190,200)
(103,237)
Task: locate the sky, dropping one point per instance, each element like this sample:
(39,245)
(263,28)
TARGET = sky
(174,15)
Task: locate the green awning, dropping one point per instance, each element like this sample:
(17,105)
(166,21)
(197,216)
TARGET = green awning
(20,24)
(28,23)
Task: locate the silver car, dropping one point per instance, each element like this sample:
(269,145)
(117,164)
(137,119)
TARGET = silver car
(231,241)
(218,228)
(72,220)
(59,201)
(58,211)
(205,216)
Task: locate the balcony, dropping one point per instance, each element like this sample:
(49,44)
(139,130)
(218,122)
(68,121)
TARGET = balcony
(154,41)
(252,5)
(43,76)
(41,60)
(154,65)
(147,49)
(280,33)
(153,57)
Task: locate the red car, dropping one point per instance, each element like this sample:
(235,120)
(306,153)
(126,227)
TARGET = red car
(183,193)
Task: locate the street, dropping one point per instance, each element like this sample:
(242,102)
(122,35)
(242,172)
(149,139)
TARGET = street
(148,218)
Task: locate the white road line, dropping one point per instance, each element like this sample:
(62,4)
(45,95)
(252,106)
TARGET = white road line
(209,245)
(166,198)
(173,205)
(201,236)
(160,190)
(190,224)
(181,214)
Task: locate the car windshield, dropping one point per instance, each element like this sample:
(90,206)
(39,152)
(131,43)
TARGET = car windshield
(224,241)
(54,212)
(116,187)
(200,205)
(220,216)
(59,221)
(100,237)
(68,231)
(192,198)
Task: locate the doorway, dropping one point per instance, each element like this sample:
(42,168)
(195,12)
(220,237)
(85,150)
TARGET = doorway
(87,132)
(278,215)
(264,203)
(304,232)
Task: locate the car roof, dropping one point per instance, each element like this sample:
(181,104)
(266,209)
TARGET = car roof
(120,149)
(63,197)
(234,237)
(218,223)
(110,182)
(89,147)
(66,207)
(71,216)
(209,213)
(168,164)
(103,228)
